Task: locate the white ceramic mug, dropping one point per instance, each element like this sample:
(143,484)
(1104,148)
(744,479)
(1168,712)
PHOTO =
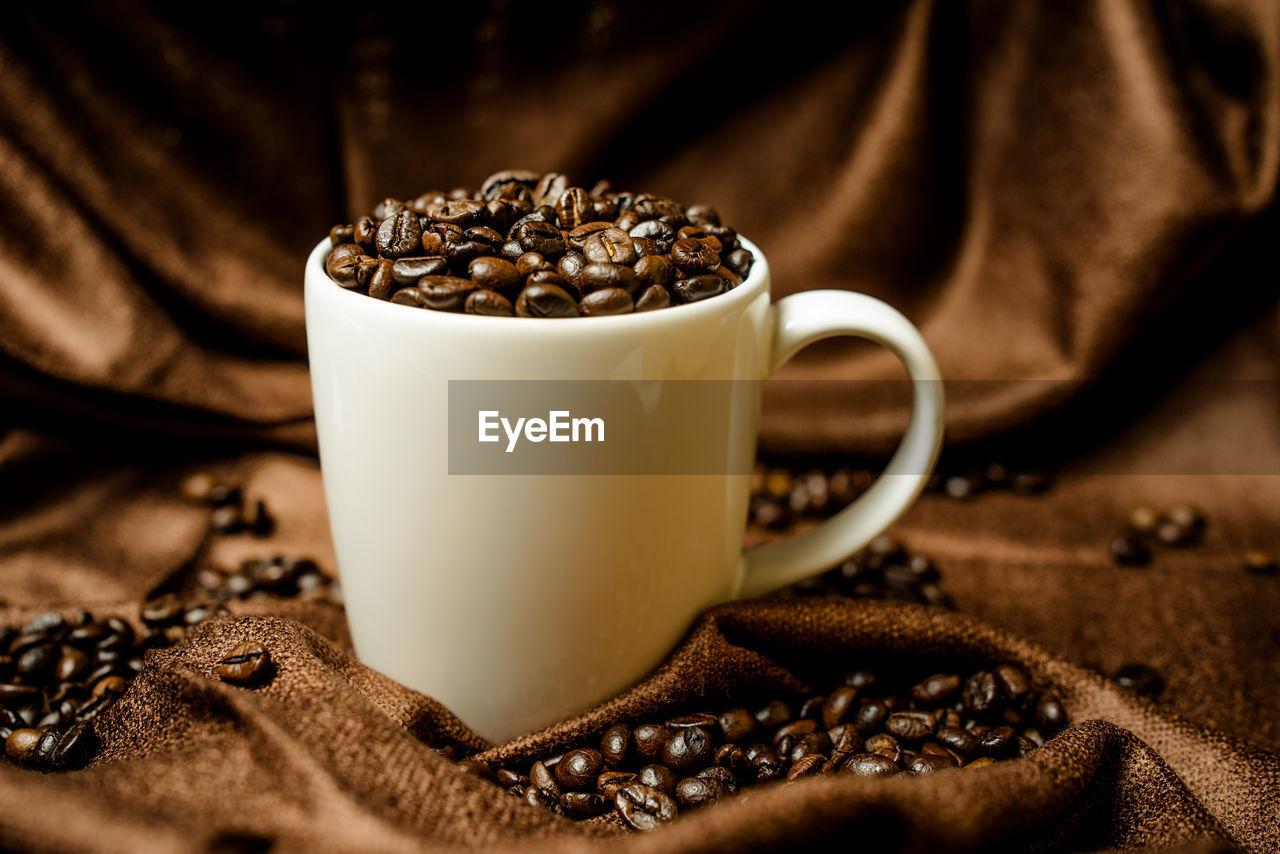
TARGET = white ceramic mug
(517,600)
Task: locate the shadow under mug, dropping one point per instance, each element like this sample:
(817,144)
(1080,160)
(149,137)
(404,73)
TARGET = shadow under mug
(519,599)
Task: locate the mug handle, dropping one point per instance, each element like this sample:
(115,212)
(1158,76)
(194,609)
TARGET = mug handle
(798,321)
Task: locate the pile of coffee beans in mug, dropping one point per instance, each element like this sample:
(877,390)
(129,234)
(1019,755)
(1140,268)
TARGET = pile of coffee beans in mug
(870,724)
(527,244)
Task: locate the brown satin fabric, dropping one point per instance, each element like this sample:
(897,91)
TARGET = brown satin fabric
(1074,202)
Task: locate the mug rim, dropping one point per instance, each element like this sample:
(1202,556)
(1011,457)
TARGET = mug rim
(756,281)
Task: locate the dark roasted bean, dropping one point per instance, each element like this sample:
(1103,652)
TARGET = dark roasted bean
(929,764)
(496,274)
(910,725)
(606,301)
(773,715)
(957,738)
(654,297)
(699,288)
(694,792)
(476,768)
(608,782)
(464,213)
(22,744)
(247,664)
(1013,682)
(657,231)
(694,256)
(543,778)
(365,233)
(574,207)
(545,300)
(981,692)
(687,749)
(734,758)
(381,283)
(406,296)
(578,237)
(659,777)
(997,742)
(541,237)
(399,235)
(838,705)
(445,293)
(489,303)
(577,769)
(582,804)
(1141,679)
(614,744)
(650,740)
(407,271)
(936,689)
(737,724)
(610,246)
(595,276)
(870,765)
(643,807)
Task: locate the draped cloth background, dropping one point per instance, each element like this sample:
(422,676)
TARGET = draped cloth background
(1075,202)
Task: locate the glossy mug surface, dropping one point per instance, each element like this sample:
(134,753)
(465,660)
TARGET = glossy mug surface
(519,599)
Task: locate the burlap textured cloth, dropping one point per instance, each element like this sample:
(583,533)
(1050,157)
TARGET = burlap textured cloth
(1076,203)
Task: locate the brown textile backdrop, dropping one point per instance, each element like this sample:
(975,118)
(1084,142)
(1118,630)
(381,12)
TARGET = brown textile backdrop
(1075,202)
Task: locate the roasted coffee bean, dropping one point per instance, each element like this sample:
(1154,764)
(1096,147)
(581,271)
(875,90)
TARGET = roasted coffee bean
(659,777)
(998,741)
(365,233)
(544,300)
(650,740)
(870,765)
(643,807)
(883,744)
(247,664)
(870,715)
(37,663)
(544,778)
(22,744)
(1130,551)
(654,297)
(734,759)
(484,234)
(981,692)
(492,187)
(910,725)
(614,744)
(845,738)
(496,274)
(574,207)
(578,237)
(1141,679)
(808,765)
(936,689)
(464,213)
(739,261)
(796,729)
(610,246)
(721,777)
(476,768)
(410,296)
(1013,682)
(387,207)
(507,778)
(407,271)
(814,742)
(957,739)
(582,804)
(489,303)
(399,235)
(694,256)
(12,695)
(705,720)
(529,263)
(445,293)
(606,301)
(608,782)
(773,715)
(340,234)
(595,276)
(812,707)
(693,792)
(659,232)
(577,769)
(342,262)
(929,764)
(536,797)
(687,749)
(71,665)
(737,724)
(541,237)
(570,266)
(699,288)
(550,187)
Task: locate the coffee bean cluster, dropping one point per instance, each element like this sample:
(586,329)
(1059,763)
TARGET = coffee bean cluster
(993,477)
(1179,526)
(528,244)
(868,725)
(885,569)
(781,497)
(229,512)
(277,575)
